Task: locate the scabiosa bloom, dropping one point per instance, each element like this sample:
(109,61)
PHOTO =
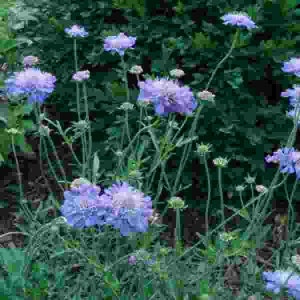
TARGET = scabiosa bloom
(167,96)
(239,19)
(282,279)
(31,82)
(284,156)
(293,95)
(30,60)
(131,209)
(81,75)
(119,43)
(83,207)
(76,31)
(292,66)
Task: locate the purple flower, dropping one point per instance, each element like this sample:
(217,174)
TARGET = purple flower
(81,75)
(289,160)
(131,209)
(119,43)
(76,31)
(293,94)
(167,96)
(277,280)
(83,206)
(238,19)
(32,82)
(132,260)
(30,60)
(292,66)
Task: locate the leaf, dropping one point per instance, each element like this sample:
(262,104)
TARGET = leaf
(7,45)
(96,165)
(181,141)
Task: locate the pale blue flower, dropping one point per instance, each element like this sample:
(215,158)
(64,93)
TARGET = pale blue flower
(83,207)
(131,209)
(31,82)
(239,19)
(292,66)
(275,281)
(167,96)
(76,31)
(119,43)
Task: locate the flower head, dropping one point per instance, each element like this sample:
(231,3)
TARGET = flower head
(239,19)
(220,162)
(282,279)
(76,31)
(292,66)
(288,159)
(31,82)
(119,43)
(136,70)
(261,189)
(177,73)
(206,96)
(83,207)
(167,96)
(30,60)
(81,75)
(131,209)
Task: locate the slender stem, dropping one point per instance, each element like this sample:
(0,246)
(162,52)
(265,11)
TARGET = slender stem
(187,147)
(208,196)
(89,124)
(221,196)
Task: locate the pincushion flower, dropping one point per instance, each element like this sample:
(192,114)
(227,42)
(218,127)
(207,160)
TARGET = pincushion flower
(83,207)
(30,60)
(239,19)
(131,209)
(76,31)
(167,96)
(32,82)
(292,66)
(277,280)
(288,158)
(119,43)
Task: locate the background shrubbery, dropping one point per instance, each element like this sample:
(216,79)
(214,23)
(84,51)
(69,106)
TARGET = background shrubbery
(248,120)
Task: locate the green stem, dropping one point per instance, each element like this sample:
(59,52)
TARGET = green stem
(221,196)
(187,147)
(89,129)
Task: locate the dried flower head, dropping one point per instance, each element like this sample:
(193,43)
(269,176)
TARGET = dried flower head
(177,73)
(261,189)
(220,162)
(81,75)
(206,96)
(136,70)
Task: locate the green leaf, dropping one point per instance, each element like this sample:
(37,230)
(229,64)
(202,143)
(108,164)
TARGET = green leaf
(7,45)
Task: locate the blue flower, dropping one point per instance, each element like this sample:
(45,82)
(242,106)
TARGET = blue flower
(238,19)
(293,95)
(131,209)
(292,66)
(32,82)
(167,96)
(76,31)
(83,206)
(119,43)
(277,280)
